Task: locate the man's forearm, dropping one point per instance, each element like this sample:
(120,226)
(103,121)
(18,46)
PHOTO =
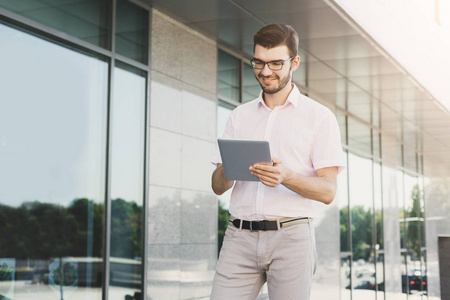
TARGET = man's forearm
(322,189)
(219,182)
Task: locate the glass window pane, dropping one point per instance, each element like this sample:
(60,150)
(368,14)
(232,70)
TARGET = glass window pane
(344,222)
(52,156)
(342,121)
(132,31)
(413,226)
(250,86)
(409,158)
(376,151)
(361,205)
(223,112)
(359,136)
(379,245)
(127,183)
(359,102)
(229,76)
(86,20)
(403,250)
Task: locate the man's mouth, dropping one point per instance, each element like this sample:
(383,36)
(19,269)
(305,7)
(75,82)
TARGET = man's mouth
(267,80)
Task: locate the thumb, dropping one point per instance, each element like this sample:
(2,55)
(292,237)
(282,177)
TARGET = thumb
(276,161)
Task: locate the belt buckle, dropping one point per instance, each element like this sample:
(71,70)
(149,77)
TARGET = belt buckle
(251,226)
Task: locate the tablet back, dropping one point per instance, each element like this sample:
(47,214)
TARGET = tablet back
(238,155)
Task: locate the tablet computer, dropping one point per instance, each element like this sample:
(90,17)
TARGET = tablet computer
(238,155)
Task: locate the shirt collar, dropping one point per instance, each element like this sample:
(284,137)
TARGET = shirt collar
(293,97)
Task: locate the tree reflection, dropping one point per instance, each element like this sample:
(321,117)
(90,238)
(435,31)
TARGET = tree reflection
(43,231)
(126,229)
(363,250)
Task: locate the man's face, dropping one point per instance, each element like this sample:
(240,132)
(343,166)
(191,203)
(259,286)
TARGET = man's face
(272,81)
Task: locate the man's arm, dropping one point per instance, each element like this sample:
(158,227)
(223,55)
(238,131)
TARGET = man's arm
(321,188)
(218,181)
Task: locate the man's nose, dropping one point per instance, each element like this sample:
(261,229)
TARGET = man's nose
(266,71)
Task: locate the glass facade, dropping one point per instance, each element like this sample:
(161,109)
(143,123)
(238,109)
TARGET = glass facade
(74,85)
(127,182)
(72,151)
(53,125)
(132,31)
(235,80)
(229,77)
(85,20)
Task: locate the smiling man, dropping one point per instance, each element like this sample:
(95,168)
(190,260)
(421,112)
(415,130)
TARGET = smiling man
(270,236)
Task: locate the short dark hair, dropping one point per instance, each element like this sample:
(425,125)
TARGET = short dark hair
(274,35)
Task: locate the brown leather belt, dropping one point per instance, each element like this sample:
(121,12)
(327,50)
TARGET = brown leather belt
(265,225)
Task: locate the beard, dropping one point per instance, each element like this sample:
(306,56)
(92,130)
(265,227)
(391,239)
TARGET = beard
(272,90)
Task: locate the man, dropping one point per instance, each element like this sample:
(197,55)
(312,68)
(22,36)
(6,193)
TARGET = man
(270,236)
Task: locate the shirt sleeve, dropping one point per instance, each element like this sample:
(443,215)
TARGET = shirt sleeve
(228,133)
(327,148)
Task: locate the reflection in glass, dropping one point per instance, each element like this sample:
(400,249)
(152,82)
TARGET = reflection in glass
(379,241)
(423,249)
(409,159)
(250,86)
(342,121)
(359,102)
(86,20)
(376,143)
(403,251)
(345,251)
(359,136)
(52,157)
(132,31)
(127,183)
(229,76)
(361,205)
(415,271)
(223,112)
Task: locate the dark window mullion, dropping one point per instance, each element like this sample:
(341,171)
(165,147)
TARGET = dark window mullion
(107,237)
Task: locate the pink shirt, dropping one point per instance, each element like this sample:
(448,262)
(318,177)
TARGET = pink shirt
(302,133)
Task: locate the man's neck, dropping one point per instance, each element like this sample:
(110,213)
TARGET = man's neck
(279,98)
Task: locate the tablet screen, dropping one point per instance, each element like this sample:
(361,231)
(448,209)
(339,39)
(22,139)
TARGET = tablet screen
(238,155)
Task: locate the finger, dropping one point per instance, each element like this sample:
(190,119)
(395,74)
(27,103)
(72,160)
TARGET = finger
(267,179)
(262,173)
(266,168)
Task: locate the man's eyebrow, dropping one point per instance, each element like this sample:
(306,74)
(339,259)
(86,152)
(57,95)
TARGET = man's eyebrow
(275,60)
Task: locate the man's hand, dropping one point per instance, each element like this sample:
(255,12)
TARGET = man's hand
(321,187)
(219,182)
(270,175)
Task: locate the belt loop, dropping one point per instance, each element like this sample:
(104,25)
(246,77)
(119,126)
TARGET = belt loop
(240,224)
(278,224)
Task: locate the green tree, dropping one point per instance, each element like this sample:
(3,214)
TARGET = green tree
(223,218)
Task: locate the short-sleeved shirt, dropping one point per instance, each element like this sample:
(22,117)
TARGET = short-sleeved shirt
(302,133)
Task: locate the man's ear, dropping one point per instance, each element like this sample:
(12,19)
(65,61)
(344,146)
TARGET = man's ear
(295,63)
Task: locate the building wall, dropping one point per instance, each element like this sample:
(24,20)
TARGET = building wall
(182,209)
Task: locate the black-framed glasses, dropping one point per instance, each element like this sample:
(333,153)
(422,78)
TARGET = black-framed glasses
(274,65)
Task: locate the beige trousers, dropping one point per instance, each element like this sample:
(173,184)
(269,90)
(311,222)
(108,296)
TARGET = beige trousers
(285,258)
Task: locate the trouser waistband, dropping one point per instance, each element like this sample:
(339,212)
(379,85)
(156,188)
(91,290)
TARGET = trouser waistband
(266,225)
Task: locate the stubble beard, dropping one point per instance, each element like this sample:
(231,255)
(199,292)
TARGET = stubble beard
(277,88)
